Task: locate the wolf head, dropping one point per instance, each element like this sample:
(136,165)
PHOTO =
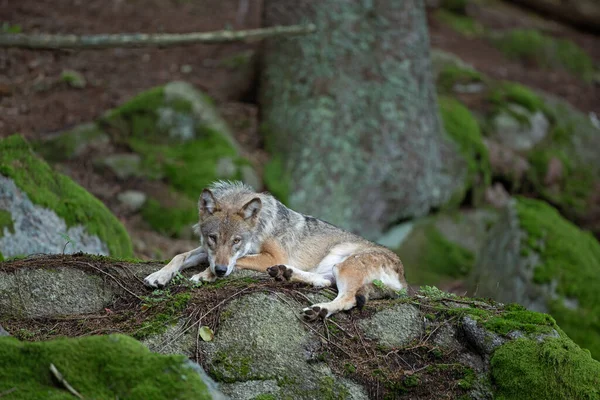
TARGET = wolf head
(227,229)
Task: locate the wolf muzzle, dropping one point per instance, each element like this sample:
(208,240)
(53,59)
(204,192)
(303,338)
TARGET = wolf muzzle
(220,270)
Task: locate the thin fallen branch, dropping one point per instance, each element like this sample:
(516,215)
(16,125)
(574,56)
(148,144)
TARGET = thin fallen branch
(113,278)
(48,41)
(165,343)
(64,382)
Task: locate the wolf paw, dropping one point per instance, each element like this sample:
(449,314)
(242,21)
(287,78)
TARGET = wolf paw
(314,312)
(158,279)
(280,272)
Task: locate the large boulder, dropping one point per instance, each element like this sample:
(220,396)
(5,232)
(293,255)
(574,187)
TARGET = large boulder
(349,115)
(247,333)
(534,257)
(42,211)
(440,249)
(112,366)
(171,138)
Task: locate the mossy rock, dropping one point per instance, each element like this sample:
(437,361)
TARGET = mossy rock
(535,257)
(173,134)
(182,140)
(262,349)
(530,45)
(113,366)
(462,127)
(60,210)
(441,248)
(72,143)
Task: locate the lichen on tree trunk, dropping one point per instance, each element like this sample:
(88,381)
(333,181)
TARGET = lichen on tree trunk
(351,110)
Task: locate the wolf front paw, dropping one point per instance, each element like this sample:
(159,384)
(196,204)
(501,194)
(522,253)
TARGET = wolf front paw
(158,279)
(280,272)
(204,276)
(314,312)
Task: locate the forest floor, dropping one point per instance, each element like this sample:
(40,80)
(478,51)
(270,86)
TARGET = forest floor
(35,101)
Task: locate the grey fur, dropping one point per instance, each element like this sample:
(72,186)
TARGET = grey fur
(275,220)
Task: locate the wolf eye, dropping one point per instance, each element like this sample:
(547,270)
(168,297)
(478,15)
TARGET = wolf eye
(237,240)
(212,238)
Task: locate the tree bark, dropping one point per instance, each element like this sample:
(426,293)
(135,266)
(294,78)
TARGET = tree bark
(351,113)
(46,41)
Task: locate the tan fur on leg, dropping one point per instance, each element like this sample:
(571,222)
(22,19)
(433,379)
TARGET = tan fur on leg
(270,254)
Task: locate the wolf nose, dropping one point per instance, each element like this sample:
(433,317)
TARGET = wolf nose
(220,270)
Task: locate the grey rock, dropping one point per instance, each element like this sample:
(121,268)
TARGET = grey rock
(250,389)
(441,59)
(226,168)
(468,88)
(203,109)
(3,332)
(261,338)
(123,165)
(251,178)
(132,199)
(484,341)
(394,327)
(41,292)
(501,272)
(38,229)
(174,340)
(73,143)
(516,135)
(395,236)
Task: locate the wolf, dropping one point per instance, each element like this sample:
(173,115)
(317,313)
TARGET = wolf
(239,228)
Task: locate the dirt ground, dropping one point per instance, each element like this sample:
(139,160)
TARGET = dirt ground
(35,102)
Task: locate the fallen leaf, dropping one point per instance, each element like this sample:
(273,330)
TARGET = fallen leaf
(206,334)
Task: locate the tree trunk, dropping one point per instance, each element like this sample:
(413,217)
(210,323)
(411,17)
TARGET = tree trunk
(350,113)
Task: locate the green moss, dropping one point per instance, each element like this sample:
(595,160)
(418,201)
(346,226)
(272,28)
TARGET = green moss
(330,390)
(464,129)
(430,258)
(277,179)
(524,321)
(172,307)
(451,75)
(187,165)
(226,366)
(529,45)
(66,145)
(107,367)
(7,27)
(570,258)
(6,222)
(510,319)
(510,92)
(73,78)
(170,220)
(462,24)
(59,193)
(555,368)
(575,184)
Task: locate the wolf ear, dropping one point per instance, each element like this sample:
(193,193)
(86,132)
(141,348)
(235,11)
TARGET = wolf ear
(207,203)
(251,209)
